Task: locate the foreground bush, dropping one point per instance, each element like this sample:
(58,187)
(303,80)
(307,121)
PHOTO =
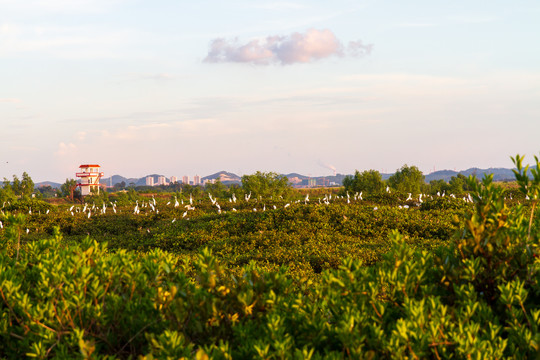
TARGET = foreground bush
(80,301)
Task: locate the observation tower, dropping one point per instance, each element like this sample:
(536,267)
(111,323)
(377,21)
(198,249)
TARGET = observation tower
(89,178)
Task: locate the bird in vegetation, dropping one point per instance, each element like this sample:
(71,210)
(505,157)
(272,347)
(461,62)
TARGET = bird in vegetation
(388,189)
(190,199)
(184,214)
(176,204)
(287,205)
(409,198)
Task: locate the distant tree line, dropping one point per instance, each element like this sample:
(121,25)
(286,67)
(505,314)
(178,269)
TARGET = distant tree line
(407,179)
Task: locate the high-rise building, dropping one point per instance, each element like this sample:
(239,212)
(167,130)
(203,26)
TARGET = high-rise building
(161,180)
(185,179)
(196,180)
(174,179)
(150,181)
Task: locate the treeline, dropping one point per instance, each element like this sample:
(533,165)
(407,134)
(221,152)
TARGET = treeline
(407,179)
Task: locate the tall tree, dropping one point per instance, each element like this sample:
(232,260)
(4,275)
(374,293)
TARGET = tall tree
(369,181)
(27,185)
(266,184)
(407,179)
(68,188)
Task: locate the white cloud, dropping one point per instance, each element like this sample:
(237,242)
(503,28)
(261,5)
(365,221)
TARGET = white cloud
(65,149)
(297,47)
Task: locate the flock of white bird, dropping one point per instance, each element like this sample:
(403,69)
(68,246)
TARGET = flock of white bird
(152,204)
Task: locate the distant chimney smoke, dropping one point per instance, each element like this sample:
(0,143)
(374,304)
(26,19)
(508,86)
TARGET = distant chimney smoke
(331,167)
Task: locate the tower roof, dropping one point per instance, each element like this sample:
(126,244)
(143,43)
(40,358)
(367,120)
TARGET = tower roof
(89,165)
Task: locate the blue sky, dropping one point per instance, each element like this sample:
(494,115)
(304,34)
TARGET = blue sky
(184,88)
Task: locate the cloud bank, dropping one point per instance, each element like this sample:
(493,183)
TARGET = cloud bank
(297,47)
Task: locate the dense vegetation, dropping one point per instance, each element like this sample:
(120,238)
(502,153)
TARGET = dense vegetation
(383,276)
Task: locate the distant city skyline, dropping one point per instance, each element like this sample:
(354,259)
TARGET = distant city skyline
(285,86)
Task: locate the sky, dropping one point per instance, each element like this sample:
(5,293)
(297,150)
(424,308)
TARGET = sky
(195,87)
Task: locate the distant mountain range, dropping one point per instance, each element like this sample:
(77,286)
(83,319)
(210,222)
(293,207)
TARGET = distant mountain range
(227,178)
